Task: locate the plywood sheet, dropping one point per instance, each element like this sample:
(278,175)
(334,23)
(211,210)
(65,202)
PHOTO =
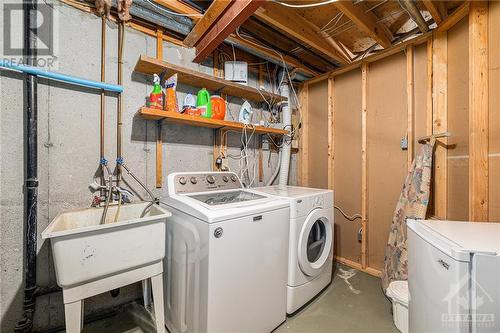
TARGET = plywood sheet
(494,110)
(420,94)
(317,144)
(458,122)
(347,163)
(387,168)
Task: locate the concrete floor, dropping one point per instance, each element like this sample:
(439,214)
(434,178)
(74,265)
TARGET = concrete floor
(354,302)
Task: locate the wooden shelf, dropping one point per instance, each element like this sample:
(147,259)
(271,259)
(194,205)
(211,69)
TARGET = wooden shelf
(179,118)
(148,65)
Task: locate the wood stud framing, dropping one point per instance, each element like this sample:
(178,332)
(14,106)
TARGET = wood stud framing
(303,141)
(440,122)
(364,166)
(410,102)
(331,115)
(209,18)
(478,111)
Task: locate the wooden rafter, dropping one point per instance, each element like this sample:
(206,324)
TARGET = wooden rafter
(454,18)
(433,10)
(300,29)
(211,15)
(227,23)
(270,54)
(181,8)
(366,21)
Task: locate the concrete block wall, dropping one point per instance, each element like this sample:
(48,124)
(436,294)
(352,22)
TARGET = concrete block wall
(68,148)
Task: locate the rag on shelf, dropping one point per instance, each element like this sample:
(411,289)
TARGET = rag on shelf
(412,204)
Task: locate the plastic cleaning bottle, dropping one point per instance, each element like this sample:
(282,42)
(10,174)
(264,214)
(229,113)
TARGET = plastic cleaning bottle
(203,103)
(156,96)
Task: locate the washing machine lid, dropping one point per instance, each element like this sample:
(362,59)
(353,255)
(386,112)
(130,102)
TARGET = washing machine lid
(315,243)
(291,191)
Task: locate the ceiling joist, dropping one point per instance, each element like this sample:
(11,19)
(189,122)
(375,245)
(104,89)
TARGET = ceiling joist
(233,17)
(213,12)
(181,8)
(433,10)
(366,21)
(300,29)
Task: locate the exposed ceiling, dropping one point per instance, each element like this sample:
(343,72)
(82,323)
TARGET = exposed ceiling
(313,40)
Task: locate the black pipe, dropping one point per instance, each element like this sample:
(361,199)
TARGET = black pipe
(31,172)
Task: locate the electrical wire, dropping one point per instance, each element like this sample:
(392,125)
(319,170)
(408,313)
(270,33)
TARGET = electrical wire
(305,6)
(350,218)
(171,12)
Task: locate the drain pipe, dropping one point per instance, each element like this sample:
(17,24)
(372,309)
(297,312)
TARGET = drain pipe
(287,124)
(31,180)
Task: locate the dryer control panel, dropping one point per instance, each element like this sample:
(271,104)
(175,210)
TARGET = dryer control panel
(185,182)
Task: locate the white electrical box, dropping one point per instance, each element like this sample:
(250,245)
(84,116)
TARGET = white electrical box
(236,71)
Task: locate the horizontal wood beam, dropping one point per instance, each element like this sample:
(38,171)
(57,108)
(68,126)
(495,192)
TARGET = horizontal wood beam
(233,17)
(433,10)
(182,8)
(374,57)
(454,17)
(366,21)
(211,15)
(294,25)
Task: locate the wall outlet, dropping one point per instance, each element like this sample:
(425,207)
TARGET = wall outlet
(225,164)
(404,143)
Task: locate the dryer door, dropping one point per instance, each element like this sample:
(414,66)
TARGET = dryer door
(315,242)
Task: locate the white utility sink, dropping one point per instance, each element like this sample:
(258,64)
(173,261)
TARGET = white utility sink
(85,250)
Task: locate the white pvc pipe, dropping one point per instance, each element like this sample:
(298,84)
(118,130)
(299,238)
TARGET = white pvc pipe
(287,124)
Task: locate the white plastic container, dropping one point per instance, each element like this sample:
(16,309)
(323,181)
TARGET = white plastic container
(85,250)
(398,292)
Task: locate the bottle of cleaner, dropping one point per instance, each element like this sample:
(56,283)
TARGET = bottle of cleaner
(156,96)
(203,103)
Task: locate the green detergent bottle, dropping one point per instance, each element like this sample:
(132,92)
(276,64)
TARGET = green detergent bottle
(203,103)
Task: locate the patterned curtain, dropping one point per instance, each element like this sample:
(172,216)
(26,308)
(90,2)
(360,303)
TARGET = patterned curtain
(412,204)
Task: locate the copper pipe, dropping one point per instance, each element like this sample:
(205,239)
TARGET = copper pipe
(103,95)
(121,33)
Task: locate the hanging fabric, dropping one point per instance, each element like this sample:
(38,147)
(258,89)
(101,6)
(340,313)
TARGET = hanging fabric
(412,204)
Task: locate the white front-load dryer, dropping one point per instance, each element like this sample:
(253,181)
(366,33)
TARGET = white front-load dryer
(310,255)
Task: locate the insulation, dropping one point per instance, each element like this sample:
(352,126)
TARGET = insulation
(347,165)
(387,162)
(317,143)
(458,122)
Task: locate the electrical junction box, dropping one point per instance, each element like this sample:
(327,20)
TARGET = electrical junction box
(236,71)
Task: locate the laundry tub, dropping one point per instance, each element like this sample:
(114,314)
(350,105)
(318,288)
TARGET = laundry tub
(398,293)
(91,258)
(85,250)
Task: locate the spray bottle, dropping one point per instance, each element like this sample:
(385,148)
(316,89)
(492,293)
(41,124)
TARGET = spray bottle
(156,96)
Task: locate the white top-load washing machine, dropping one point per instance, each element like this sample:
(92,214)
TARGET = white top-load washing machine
(311,241)
(226,256)
(453,276)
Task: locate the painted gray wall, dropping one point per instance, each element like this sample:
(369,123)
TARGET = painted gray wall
(68,150)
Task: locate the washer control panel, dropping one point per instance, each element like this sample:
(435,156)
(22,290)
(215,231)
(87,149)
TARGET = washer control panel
(203,182)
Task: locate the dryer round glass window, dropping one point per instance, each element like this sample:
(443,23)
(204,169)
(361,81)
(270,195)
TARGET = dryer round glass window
(315,243)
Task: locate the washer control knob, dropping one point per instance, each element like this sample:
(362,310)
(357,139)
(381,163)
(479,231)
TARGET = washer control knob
(210,179)
(193,180)
(225,179)
(182,180)
(233,178)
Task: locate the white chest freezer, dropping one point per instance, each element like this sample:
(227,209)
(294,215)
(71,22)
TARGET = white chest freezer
(453,276)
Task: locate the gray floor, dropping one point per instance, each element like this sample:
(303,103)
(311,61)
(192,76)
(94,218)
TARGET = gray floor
(353,302)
